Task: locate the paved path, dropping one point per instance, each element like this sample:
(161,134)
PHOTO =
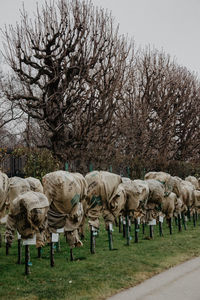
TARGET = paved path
(178,283)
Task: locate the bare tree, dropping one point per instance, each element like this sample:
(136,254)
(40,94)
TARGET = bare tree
(69,64)
(10,116)
(159,115)
(8,111)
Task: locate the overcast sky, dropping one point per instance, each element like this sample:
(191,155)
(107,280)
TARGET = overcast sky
(170,25)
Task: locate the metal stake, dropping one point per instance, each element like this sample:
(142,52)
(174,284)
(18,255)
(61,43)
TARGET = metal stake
(110,237)
(39,252)
(160,229)
(170,225)
(52,253)
(71,255)
(120,224)
(179,223)
(136,230)
(19,251)
(92,240)
(151,231)
(127,230)
(27,256)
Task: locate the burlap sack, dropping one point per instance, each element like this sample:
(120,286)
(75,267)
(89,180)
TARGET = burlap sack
(125,179)
(176,185)
(140,197)
(65,192)
(179,207)
(35,184)
(187,193)
(4,188)
(156,191)
(194,182)
(142,192)
(169,204)
(156,197)
(102,186)
(28,214)
(162,177)
(135,191)
(197,198)
(81,229)
(115,205)
(18,186)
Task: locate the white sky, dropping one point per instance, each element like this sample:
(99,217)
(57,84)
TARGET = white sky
(171,25)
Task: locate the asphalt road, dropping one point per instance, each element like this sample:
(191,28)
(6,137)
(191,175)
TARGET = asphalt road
(178,283)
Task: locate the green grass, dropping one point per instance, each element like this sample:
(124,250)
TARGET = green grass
(99,275)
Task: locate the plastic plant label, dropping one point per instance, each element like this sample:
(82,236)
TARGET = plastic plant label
(54,237)
(160,219)
(138,220)
(111,227)
(152,222)
(30,241)
(60,230)
(94,229)
(18,236)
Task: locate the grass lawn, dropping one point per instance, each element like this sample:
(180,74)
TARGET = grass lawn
(99,275)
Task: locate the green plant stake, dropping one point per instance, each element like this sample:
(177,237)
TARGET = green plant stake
(194,219)
(90,167)
(196,215)
(120,223)
(58,246)
(160,229)
(151,231)
(110,237)
(179,223)
(39,252)
(27,257)
(189,214)
(71,255)
(66,166)
(7,248)
(170,225)
(136,229)
(93,233)
(124,227)
(161,225)
(127,231)
(128,172)
(151,224)
(143,228)
(184,220)
(51,253)
(19,251)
